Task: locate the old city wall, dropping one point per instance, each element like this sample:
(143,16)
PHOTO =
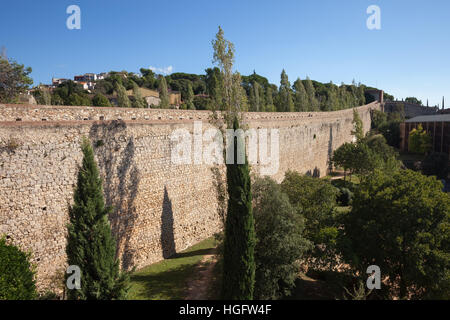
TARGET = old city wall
(159,208)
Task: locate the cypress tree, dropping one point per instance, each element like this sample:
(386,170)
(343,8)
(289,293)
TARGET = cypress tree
(301,97)
(90,244)
(239,243)
(270,107)
(122,97)
(163,93)
(190,97)
(256,97)
(139,101)
(313,102)
(286,104)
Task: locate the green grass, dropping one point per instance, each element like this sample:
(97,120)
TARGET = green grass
(167,280)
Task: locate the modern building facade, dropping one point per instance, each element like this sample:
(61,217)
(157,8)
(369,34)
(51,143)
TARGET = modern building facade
(437,126)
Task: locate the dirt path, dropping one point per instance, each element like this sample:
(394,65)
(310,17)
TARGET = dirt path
(198,285)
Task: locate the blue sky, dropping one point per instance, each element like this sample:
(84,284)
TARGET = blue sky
(324,39)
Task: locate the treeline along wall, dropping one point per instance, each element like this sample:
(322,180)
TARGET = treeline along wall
(159,208)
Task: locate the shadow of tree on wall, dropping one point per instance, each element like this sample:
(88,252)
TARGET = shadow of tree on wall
(330,150)
(314,173)
(115,150)
(167,228)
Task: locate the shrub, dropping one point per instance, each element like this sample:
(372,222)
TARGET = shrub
(280,243)
(315,199)
(419,140)
(100,100)
(344,197)
(16,274)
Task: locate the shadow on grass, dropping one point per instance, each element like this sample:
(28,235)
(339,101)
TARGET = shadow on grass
(321,285)
(200,252)
(165,285)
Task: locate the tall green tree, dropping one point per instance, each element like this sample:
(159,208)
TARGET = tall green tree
(280,242)
(332,102)
(122,96)
(239,243)
(214,86)
(256,97)
(14,79)
(285,101)
(311,91)
(401,223)
(270,106)
(90,243)
(190,97)
(300,97)
(224,58)
(163,93)
(139,101)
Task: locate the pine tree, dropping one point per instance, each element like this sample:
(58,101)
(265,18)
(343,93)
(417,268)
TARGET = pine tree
(239,244)
(90,243)
(313,102)
(285,101)
(122,97)
(300,97)
(163,93)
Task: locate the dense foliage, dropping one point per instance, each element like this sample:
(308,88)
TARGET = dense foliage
(280,242)
(419,140)
(90,243)
(239,244)
(16,273)
(14,79)
(314,200)
(401,222)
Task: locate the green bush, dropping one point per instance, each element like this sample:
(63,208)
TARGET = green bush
(280,243)
(419,140)
(16,274)
(401,223)
(100,100)
(344,197)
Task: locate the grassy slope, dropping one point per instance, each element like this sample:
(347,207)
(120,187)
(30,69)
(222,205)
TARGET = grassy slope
(166,280)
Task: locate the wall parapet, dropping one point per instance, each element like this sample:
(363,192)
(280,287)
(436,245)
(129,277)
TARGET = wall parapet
(21,112)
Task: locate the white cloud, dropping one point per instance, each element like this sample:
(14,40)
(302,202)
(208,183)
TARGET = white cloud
(166,70)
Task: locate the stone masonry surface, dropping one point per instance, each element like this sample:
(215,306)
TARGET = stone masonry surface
(159,208)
